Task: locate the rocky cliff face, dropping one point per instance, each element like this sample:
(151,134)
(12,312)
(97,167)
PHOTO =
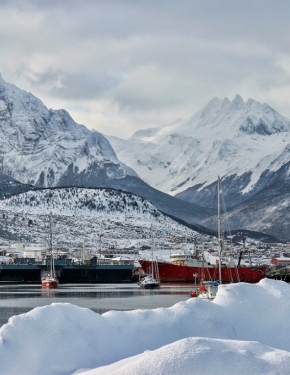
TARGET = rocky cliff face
(43,147)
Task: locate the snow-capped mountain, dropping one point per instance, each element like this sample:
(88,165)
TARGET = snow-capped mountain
(246,143)
(43,147)
(226,138)
(47,148)
(80,214)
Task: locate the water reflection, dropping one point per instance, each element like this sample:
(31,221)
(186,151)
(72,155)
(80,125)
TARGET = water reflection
(17,299)
(48,293)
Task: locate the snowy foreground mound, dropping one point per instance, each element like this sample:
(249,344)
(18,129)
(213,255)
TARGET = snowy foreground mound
(245,330)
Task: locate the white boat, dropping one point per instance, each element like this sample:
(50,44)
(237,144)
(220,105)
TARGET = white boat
(149,282)
(208,288)
(152,280)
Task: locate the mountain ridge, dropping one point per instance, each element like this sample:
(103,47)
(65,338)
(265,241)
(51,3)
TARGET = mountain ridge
(80,214)
(44,148)
(246,143)
(44,142)
(188,152)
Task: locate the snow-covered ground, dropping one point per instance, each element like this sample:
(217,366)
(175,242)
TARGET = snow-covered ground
(245,330)
(80,214)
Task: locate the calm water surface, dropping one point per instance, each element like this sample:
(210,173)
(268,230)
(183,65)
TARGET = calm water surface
(18,299)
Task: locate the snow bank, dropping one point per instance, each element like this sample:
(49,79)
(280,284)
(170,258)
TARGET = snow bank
(202,356)
(62,338)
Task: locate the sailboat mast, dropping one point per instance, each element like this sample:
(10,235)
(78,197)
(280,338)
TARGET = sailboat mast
(50,222)
(219,232)
(152,244)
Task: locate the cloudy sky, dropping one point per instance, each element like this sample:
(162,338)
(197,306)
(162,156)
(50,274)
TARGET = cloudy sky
(123,65)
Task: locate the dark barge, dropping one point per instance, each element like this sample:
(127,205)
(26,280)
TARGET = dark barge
(27,270)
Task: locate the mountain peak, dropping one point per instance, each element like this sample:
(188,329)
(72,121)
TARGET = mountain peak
(238,99)
(250,102)
(248,117)
(41,147)
(213,101)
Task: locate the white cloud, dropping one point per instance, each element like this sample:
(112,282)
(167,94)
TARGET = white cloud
(129,65)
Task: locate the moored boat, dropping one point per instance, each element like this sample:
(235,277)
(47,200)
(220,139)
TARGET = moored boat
(183,265)
(207,290)
(24,270)
(50,280)
(152,280)
(169,272)
(149,282)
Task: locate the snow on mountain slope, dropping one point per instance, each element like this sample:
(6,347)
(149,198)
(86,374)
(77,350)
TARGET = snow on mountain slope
(225,138)
(245,143)
(80,214)
(9,186)
(38,145)
(46,148)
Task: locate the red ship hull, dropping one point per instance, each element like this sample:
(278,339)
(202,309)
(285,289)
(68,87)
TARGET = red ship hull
(171,273)
(49,283)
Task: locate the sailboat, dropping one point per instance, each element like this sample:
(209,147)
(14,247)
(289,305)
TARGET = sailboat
(49,279)
(182,265)
(208,288)
(152,280)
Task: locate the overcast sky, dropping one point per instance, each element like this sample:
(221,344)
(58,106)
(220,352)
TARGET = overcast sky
(119,66)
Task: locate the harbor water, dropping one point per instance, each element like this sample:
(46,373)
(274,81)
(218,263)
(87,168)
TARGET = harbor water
(20,298)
